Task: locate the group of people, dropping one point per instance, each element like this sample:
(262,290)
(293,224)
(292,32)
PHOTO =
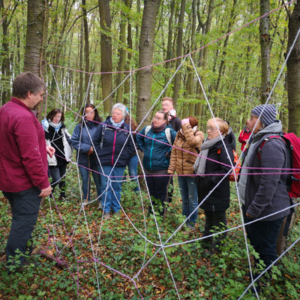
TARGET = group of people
(169,145)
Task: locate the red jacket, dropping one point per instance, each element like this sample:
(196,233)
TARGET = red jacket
(23,155)
(244,136)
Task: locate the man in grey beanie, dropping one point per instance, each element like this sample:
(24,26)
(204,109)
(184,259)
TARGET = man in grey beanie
(263,196)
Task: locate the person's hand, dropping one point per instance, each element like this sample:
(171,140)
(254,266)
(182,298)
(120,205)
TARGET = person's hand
(185,121)
(50,150)
(91,151)
(46,192)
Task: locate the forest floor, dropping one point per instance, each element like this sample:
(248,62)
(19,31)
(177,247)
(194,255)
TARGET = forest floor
(61,232)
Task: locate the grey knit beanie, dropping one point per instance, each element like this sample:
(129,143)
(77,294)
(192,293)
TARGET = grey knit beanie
(269,114)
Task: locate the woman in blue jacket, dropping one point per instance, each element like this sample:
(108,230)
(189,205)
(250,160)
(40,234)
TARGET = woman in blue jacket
(114,147)
(82,141)
(157,155)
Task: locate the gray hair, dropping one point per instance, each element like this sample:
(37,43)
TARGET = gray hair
(120,107)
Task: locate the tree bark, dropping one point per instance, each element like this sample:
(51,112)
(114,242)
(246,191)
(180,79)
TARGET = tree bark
(293,73)
(86,48)
(146,58)
(106,53)
(34,37)
(122,58)
(265,46)
(5,68)
(179,52)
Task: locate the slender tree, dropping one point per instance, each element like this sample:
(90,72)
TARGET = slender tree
(293,72)
(265,46)
(106,53)
(146,58)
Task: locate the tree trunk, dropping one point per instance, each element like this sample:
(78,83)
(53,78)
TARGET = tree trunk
(179,52)
(86,48)
(169,46)
(106,54)
(5,80)
(34,41)
(293,73)
(204,54)
(128,3)
(80,91)
(265,46)
(34,37)
(122,58)
(146,49)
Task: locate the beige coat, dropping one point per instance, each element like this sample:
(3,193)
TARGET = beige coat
(182,162)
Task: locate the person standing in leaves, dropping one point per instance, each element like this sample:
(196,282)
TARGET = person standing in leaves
(167,106)
(23,163)
(264,196)
(57,136)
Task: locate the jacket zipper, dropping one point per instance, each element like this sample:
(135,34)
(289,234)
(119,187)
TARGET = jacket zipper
(114,146)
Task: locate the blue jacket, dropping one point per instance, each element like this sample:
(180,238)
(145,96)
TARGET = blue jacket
(156,154)
(110,146)
(81,141)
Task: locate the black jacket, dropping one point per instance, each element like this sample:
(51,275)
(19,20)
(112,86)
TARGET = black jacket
(267,194)
(57,143)
(112,150)
(219,199)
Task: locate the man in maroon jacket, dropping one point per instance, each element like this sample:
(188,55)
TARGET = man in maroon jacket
(23,162)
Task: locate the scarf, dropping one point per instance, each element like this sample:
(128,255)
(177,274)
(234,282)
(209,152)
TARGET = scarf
(158,129)
(200,164)
(195,128)
(116,125)
(55,126)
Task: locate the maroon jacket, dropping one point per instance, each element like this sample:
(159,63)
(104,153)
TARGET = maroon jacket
(23,155)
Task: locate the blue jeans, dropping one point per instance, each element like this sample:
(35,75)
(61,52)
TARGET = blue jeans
(86,180)
(189,195)
(132,170)
(111,198)
(25,207)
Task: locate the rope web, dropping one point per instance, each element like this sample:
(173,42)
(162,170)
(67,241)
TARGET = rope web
(159,243)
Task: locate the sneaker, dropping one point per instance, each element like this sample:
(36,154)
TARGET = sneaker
(100,206)
(106,216)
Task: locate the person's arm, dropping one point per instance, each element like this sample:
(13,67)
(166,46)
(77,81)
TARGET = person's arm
(97,138)
(192,139)
(27,138)
(76,143)
(140,140)
(273,155)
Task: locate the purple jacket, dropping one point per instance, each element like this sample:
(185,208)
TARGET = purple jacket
(23,155)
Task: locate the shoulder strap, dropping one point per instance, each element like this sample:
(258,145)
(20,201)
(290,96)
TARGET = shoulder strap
(267,139)
(168,135)
(147,129)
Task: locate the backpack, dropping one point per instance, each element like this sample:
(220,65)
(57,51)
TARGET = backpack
(237,166)
(292,143)
(167,131)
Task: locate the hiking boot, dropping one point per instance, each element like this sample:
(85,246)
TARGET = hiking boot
(106,216)
(100,206)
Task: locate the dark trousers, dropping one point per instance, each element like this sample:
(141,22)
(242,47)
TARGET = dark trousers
(25,207)
(158,189)
(215,221)
(57,174)
(263,237)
